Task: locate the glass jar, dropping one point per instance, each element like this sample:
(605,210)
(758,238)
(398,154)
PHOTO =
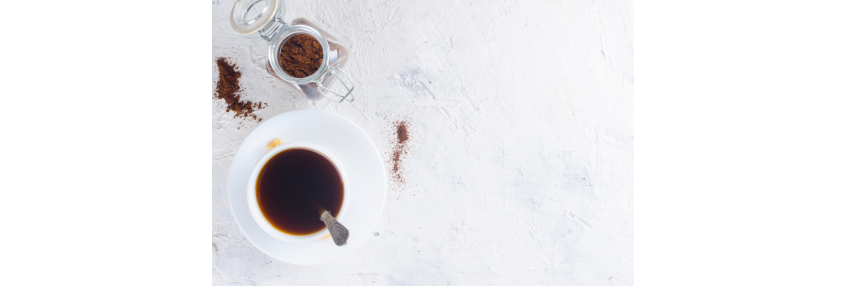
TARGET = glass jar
(262,20)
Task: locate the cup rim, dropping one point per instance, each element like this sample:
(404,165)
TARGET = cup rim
(253,203)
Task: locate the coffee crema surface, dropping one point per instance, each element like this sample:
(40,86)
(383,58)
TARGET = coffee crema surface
(293,185)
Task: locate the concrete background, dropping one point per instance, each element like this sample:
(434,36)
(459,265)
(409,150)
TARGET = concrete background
(520,169)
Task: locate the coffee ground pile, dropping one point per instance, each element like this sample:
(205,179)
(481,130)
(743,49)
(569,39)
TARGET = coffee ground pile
(301,55)
(229,89)
(399,151)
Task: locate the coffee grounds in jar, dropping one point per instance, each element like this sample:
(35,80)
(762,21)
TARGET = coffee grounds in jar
(229,89)
(301,55)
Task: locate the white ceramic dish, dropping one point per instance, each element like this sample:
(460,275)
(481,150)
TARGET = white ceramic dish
(367,181)
(253,202)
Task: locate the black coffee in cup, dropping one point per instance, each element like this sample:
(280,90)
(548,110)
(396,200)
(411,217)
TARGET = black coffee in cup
(293,185)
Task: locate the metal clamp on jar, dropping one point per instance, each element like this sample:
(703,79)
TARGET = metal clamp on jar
(262,19)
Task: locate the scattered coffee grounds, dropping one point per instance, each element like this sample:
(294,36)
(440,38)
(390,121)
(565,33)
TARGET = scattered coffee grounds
(301,55)
(400,150)
(402,134)
(229,89)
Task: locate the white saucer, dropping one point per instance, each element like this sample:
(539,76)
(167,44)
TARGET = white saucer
(365,191)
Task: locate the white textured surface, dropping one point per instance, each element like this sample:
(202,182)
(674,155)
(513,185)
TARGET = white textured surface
(521,169)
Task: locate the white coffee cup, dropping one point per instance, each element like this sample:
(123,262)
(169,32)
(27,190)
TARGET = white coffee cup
(253,202)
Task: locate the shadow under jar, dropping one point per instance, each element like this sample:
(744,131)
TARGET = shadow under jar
(262,20)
